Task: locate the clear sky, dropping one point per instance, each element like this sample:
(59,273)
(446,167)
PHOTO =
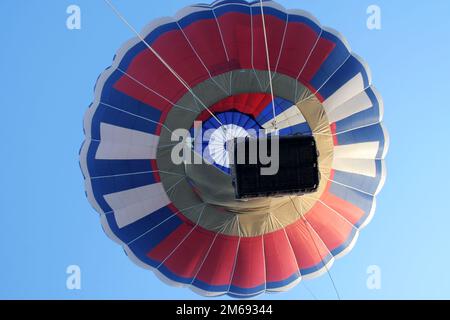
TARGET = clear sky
(48,74)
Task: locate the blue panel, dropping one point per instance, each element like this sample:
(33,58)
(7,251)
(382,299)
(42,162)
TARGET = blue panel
(120,119)
(283,283)
(138,228)
(270,11)
(317,267)
(99,168)
(305,20)
(202,15)
(211,288)
(346,243)
(266,114)
(246,291)
(114,184)
(366,134)
(346,72)
(232,8)
(332,63)
(357,198)
(147,242)
(360,182)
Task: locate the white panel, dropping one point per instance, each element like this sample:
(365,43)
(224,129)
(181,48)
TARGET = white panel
(365,150)
(364,167)
(216,145)
(119,143)
(344,93)
(358,103)
(288,118)
(134,204)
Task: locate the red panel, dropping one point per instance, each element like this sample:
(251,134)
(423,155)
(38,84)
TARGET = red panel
(204,35)
(165,247)
(332,229)
(205,38)
(267,99)
(176,51)
(175,210)
(308,248)
(258,100)
(298,43)
(230,102)
(280,259)
(333,127)
(321,52)
(142,82)
(249,271)
(243,99)
(187,258)
(154,167)
(218,266)
(236,33)
(274,29)
(216,108)
(333,132)
(147,72)
(315,91)
(151,73)
(346,209)
(248,103)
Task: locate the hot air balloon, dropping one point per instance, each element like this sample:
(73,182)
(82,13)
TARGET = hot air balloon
(230,67)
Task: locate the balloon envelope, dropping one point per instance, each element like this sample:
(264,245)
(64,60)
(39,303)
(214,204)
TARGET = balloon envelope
(182,220)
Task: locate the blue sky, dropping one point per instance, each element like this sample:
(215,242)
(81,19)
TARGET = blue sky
(47,84)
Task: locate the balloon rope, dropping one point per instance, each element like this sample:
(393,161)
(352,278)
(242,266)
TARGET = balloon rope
(201,60)
(225,50)
(176,75)
(135,174)
(184,239)
(268,65)
(224,226)
(159,224)
(308,226)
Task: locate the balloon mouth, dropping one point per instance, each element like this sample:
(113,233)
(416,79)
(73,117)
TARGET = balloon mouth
(214,135)
(208,178)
